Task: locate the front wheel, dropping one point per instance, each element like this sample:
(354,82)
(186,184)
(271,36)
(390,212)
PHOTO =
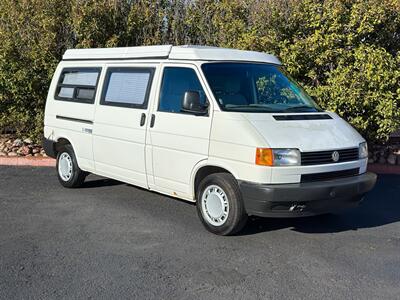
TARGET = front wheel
(220,205)
(69,174)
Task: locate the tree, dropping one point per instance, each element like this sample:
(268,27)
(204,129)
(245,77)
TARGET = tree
(98,23)
(34,36)
(346,53)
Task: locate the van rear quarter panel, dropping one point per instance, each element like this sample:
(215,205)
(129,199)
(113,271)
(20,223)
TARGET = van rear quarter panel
(77,133)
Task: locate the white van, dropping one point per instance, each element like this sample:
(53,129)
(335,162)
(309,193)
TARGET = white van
(227,129)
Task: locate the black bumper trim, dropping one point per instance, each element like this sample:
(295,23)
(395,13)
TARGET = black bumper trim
(305,199)
(49,147)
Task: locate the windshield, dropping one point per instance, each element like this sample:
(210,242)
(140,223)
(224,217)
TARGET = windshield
(252,87)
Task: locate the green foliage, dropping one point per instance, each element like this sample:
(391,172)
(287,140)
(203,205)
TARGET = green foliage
(98,23)
(32,33)
(346,53)
(365,90)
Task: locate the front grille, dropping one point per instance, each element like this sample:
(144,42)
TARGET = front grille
(325,157)
(329,175)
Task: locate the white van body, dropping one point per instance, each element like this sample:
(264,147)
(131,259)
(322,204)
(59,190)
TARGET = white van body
(171,152)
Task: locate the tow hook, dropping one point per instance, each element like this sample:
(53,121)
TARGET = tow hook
(297,207)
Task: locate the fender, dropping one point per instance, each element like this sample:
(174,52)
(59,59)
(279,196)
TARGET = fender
(205,163)
(65,136)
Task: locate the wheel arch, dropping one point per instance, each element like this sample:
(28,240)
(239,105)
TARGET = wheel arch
(63,140)
(204,169)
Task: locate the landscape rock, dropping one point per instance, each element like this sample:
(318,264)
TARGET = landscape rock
(24,150)
(13,147)
(391,159)
(27,141)
(382,160)
(17,143)
(376,155)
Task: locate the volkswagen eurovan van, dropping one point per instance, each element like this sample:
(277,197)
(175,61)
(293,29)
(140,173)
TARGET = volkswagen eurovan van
(227,129)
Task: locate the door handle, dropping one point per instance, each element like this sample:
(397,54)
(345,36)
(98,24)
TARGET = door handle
(142,119)
(153,118)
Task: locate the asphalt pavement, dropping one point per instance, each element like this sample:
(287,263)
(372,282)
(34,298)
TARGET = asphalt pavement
(112,240)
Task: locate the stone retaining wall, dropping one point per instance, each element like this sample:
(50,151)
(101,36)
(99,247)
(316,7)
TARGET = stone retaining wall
(15,147)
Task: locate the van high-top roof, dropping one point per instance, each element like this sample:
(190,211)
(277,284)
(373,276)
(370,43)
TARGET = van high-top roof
(170,52)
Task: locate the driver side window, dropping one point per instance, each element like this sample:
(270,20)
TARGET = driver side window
(175,82)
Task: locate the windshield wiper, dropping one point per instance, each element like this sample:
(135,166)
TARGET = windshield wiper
(300,107)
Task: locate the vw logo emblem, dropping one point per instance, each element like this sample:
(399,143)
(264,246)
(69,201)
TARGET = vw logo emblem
(335,156)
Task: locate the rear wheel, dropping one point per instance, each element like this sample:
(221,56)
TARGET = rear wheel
(220,205)
(69,174)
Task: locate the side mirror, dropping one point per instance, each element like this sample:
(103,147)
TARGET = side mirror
(191,103)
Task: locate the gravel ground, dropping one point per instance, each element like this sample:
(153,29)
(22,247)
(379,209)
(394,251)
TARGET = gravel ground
(112,240)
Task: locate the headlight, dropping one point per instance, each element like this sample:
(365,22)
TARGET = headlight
(277,157)
(363,150)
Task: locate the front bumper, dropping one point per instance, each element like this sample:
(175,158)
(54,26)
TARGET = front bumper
(305,199)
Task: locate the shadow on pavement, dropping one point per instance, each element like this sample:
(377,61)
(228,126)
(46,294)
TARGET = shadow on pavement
(380,207)
(100,182)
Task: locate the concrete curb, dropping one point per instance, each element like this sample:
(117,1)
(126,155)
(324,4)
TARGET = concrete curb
(50,162)
(384,169)
(28,161)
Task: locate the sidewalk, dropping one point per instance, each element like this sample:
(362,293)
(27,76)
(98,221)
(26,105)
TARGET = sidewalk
(28,161)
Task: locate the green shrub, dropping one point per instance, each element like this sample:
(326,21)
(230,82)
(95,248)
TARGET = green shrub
(33,40)
(346,53)
(365,90)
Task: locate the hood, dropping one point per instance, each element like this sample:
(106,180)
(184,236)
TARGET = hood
(305,135)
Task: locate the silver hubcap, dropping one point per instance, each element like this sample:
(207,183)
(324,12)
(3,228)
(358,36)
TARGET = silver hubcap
(65,166)
(215,205)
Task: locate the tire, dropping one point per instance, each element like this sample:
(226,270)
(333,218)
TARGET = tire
(219,204)
(68,172)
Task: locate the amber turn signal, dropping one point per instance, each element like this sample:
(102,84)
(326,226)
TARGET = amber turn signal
(264,157)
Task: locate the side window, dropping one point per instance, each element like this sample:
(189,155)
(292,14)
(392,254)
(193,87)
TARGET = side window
(127,87)
(176,81)
(78,85)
